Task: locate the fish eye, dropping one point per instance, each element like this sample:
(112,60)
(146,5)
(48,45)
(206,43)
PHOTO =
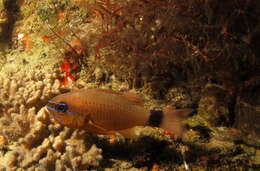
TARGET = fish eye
(61,107)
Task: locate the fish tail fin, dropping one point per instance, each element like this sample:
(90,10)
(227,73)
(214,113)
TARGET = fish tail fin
(172,120)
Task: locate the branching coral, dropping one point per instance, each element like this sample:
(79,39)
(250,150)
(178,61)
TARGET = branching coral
(37,141)
(21,96)
(48,146)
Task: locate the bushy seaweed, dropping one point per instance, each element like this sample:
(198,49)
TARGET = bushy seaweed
(172,41)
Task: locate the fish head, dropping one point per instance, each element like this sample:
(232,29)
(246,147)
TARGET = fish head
(67,110)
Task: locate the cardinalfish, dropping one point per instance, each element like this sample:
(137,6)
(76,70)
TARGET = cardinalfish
(109,112)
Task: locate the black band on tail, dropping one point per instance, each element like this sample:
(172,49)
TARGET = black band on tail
(155,118)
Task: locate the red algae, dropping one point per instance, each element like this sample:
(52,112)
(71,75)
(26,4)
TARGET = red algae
(70,71)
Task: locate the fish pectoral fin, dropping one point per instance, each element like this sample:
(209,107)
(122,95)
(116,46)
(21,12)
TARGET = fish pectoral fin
(134,98)
(92,127)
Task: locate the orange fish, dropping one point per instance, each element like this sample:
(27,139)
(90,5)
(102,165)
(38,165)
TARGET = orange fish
(104,111)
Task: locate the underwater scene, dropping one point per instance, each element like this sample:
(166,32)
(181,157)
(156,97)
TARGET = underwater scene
(129,85)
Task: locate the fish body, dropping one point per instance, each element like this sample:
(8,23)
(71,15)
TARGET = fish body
(105,111)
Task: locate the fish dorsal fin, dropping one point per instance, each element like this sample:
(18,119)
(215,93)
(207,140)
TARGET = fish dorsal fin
(134,98)
(109,91)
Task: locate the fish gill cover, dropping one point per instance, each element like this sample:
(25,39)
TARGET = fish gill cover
(202,54)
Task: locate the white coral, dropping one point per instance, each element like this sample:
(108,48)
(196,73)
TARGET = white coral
(92,157)
(50,146)
(41,143)
(30,89)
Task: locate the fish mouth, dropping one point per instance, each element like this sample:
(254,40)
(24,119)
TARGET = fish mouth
(51,108)
(56,117)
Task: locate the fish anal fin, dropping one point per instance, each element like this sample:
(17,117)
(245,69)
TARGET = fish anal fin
(131,133)
(133,97)
(172,120)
